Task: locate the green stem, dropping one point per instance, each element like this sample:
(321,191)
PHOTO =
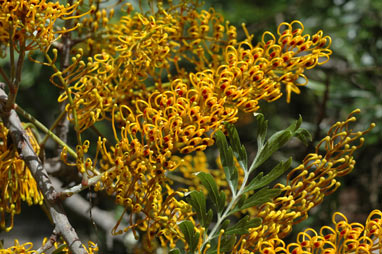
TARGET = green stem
(45,130)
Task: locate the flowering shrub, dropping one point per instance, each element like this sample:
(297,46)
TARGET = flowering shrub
(170,82)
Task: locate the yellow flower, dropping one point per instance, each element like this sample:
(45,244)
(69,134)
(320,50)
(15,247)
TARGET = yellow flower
(29,24)
(310,182)
(153,120)
(18,248)
(27,248)
(16,181)
(343,237)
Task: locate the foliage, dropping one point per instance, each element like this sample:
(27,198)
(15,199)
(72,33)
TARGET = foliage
(168,79)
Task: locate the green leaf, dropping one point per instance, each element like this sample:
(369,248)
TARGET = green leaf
(226,156)
(209,216)
(242,226)
(174,251)
(242,198)
(190,235)
(294,126)
(304,136)
(260,181)
(227,243)
(277,140)
(198,202)
(262,126)
(238,149)
(260,197)
(213,193)
(225,224)
(274,143)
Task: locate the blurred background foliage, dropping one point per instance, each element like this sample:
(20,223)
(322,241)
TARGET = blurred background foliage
(351,79)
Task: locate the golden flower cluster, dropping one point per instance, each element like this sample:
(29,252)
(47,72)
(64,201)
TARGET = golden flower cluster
(18,248)
(152,120)
(309,183)
(343,237)
(30,24)
(143,50)
(16,181)
(167,80)
(27,248)
(141,188)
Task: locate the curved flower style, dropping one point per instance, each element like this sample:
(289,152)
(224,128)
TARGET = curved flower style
(309,183)
(29,24)
(167,80)
(344,237)
(18,248)
(16,181)
(239,76)
(27,248)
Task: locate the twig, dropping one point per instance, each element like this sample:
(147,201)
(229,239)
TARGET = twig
(78,188)
(15,73)
(24,147)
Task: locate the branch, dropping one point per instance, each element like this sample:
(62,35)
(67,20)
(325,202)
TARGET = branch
(80,187)
(104,219)
(24,147)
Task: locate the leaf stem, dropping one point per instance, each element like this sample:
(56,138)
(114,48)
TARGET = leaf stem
(227,211)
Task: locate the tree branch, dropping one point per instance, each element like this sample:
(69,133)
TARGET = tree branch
(24,147)
(104,219)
